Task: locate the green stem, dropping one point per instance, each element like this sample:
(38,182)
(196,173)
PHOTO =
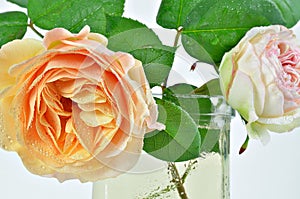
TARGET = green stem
(31,25)
(176,179)
(189,167)
(179,31)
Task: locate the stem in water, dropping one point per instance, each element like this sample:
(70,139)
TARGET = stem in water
(176,179)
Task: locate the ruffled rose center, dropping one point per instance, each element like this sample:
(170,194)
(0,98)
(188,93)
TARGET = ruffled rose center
(287,70)
(73,113)
(289,60)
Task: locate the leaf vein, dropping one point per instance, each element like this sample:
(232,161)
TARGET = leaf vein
(215,30)
(84,18)
(180,13)
(290,8)
(13,24)
(51,9)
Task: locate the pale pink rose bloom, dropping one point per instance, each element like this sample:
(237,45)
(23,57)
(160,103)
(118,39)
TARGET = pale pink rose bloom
(260,78)
(73,109)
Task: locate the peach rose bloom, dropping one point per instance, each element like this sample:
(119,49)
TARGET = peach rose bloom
(71,108)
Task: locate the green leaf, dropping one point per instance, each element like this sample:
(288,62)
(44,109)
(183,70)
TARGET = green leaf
(210,140)
(135,38)
(210,88)
(173,13)
(73,14)
(129,35)
(181,88)
(22,3)
(212,27)
(180,140)
(116,25)
(199,107)
(13,25)
(289,10)
(156,62)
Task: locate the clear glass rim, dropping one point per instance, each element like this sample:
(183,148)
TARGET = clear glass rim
(192,95)
(229,112)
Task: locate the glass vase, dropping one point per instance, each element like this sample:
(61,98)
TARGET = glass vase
(205,177)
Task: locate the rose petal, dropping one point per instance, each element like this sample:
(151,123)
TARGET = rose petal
(274,102)
(241,96)
(248,63)
(8,137)
(95,118)
(54,36)
(227,71)
(24,49)
(258,131)
(99,38)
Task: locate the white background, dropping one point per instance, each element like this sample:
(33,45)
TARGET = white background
(262,172)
